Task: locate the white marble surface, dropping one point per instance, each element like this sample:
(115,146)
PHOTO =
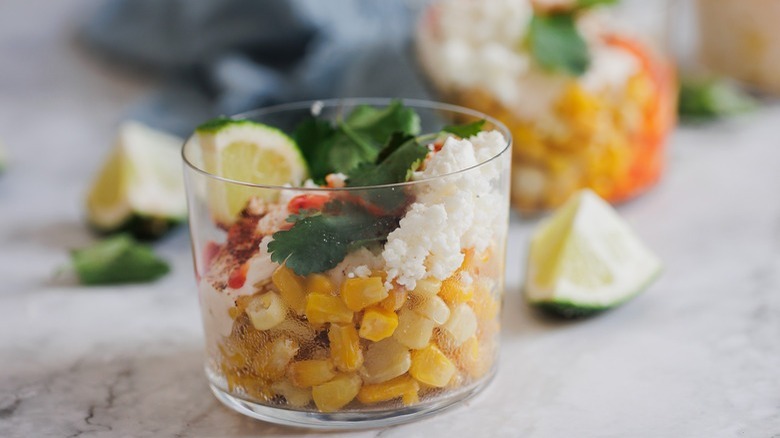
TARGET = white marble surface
(697,355)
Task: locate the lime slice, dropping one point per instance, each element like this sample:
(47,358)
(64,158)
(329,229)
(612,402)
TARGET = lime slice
(242,150)
(586,259)
(140,187)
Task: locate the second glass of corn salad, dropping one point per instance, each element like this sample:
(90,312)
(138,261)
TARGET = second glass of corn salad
(589,104)
(339,300)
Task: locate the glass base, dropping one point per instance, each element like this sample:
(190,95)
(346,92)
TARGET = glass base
(347,419)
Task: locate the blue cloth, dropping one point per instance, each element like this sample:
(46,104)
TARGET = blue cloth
(227,56)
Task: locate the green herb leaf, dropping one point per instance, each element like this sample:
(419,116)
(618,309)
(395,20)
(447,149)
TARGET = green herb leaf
(320,242)
(398,159)
(467,130)
(707,98)
(314,138)
(377,125)
(353,142)
(583,4)
(119,259)
(557,45)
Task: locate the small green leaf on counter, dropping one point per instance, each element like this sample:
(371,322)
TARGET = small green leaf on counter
(467,130)
(116,260)
(557,45)
(707,98)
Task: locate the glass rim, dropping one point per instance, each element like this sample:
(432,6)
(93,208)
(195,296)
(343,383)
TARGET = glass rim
(354,101)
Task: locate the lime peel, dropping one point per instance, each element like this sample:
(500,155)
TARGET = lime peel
(585,259)
(246,152)
(140,187)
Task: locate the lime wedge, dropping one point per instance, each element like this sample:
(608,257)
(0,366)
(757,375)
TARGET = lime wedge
(140,187)
(245,151)
(586,259)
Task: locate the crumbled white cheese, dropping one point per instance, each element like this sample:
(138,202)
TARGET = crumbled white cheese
(451,213)
(358,263)
(476,45)
(361,271)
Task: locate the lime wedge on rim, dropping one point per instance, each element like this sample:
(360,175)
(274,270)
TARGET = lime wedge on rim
(586,259)
(140,187)
(249,152)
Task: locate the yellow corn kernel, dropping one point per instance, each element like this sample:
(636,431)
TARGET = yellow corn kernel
(431,366)
(395,300)
(299,329)
(433,308)
(240,307)
(461,325)
(469,260)
(385,360)
(395,388)
(427,287)
(337,393)
(414,330)
(359,293)
(410,398)
(266,310)
(471,359)
(290,288)
(295,396)
(378,324)
(319,284)
(326,308)
(308,373)
(345,347)
(484,304)
(255,387)
(271,360)
(453,291)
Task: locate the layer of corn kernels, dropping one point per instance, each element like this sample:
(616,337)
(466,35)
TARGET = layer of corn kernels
(593,143)
(307,343)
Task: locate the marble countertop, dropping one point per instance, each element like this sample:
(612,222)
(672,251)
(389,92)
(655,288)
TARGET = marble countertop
(698,354)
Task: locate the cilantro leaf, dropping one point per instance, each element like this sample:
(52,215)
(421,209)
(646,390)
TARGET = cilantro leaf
(401,156)
(707,98)
(320,242)
(557,45)
(353,142)
(377,125)
(119,259)
(398,159)
(315,138)
(467,130)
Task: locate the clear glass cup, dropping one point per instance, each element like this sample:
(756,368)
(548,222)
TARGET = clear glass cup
(737,39)
(293,350)
(605,129)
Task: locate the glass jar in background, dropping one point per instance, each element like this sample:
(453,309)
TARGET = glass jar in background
(353,346)
(605,128)
(740,39)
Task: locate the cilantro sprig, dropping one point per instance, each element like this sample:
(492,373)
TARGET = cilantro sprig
(354,141)
(320,241)
(555,42)
(373,147)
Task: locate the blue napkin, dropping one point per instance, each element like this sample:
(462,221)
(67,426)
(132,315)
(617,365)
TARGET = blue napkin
(226,56)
